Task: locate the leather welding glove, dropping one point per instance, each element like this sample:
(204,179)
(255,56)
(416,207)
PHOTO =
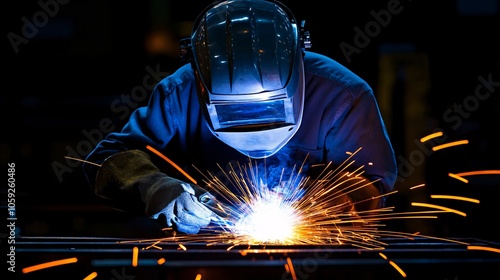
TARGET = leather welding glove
(186,205)
(130,181)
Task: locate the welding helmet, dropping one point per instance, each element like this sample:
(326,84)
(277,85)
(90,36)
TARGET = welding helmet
(247,60)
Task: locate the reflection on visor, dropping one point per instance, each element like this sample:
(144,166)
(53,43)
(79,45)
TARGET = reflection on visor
(246,114)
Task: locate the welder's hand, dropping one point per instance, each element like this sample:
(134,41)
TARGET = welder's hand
(130,181)
(187,207)
(185,212)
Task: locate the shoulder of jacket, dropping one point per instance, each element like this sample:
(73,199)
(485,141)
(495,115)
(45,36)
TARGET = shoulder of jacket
(320,65)
(179,79)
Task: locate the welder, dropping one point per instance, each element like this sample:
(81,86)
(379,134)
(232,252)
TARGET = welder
(250,89)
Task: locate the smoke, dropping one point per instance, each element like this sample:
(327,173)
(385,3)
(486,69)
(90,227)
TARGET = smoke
(282,173)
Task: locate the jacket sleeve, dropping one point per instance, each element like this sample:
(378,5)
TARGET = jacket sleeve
(363,131)
(119,169)
(131,182)
(123,177)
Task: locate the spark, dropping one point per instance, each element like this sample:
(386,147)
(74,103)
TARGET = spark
(446,209)
(473,200)
(135,254)
(459,176)
(483,248)
(479,172)
(417,186)
(289,268)
(451,144)
(158,153)
(91,276)
(81,160)
(49,264)
(161,261)
(198,277)
(393,264)
(431,136)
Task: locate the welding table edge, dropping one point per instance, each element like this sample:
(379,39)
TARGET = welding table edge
(421,258)
(422,250)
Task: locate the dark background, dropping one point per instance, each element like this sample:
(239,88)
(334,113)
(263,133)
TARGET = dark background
(62,77)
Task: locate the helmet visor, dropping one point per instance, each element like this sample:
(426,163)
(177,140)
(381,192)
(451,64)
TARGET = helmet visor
(252,116)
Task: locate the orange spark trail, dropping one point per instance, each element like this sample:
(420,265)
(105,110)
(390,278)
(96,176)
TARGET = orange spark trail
(393,264)
(431,136)
(290,268)
(49,264)
(459,176)
(439,207)
(171,163)
(451,144)
(91,276)
(417,186)
(78,159)
(397,268)
(479,172)
(455,197)
(135,254)
(483,248)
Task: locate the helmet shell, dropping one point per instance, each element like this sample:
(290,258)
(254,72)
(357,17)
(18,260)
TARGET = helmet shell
(247,60)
